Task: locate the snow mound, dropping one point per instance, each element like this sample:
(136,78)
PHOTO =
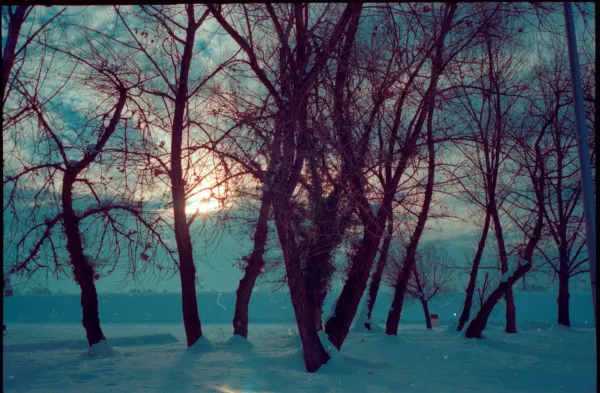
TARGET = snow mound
(335,356)
(535,325)
(561,328)
(452,327)
(102,350)
(201,346)
(239,342)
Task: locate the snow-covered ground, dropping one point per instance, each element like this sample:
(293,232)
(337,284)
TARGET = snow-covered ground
(153,358)
(45,349)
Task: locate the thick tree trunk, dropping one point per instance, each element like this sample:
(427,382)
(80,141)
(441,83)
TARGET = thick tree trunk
(477,325)
(313,352)
(10,46)
(378,273)
(563,299)
(511,312)
(319,266)
(83,270)
(466,312)
(253,269)
(426,312)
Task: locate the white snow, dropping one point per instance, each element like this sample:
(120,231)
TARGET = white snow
(417,361)
(102,350)
(203,345)
(49,353)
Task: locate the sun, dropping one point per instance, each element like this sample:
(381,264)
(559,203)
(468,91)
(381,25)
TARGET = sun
(201,203)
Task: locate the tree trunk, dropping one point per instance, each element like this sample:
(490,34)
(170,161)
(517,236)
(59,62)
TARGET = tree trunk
(427,316)
(378,273)
(477,325)
(466,312)
(253,269)
(313,352)
(338,325)
(563,299)
(83,270)
(319,266)
(10,46)
(187,270)
(511,312)
(391,325)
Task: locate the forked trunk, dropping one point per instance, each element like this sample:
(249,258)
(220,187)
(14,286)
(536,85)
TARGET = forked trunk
(253,269)
(466,312)
(477,325)
(426,312)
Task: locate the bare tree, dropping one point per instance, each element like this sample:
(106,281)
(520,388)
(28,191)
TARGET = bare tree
(533,160)
(169,105)
(431,276)
(288,153)
(60,174)
(563,212)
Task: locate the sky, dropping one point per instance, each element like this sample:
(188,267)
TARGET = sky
(217,254)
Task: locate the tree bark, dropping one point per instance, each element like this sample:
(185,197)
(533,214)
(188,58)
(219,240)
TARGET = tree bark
(466,312)
(563,299)
(426,312)
(253,269)
(378,273)
(83,270)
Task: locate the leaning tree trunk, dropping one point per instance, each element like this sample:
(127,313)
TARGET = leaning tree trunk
(253,269)
(477,325)
(83,270)
(338,325)
(563,298)
(378,273)
(466,312)
(426,312)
